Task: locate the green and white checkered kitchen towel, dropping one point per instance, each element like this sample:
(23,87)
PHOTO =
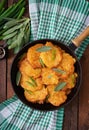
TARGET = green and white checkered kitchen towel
(55,19)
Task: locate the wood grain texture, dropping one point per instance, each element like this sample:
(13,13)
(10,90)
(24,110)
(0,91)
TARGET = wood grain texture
(10,91)
(3,84)
(84,93)
(70,115)
(2,80)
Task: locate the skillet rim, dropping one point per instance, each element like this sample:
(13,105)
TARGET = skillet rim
(23,50)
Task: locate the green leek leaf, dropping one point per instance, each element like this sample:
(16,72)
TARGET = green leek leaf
(18,77)
(30,84)
(33,81)
(43,49)
(59,70)
(60,86)
(30,92)
(41,62)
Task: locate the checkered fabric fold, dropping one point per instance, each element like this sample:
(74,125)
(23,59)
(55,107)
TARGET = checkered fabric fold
(54,19)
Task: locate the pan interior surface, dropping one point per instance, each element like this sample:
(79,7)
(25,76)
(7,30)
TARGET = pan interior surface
(19,90)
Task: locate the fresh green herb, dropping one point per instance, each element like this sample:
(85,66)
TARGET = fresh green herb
(11,12)
(13,9)
(43,49)
(59,70)
(16,49)
(53,54)
(33,81)
(30,84)
(41,62)
(17,34)
(21,13)
(2,10)
(11,30)
(12,45)
(60,86)
(12,24)
(30,92)
(10,35)
(18,77)
(27,33)
(2,3)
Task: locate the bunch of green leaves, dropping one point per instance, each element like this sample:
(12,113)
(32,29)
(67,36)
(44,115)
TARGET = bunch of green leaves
(15,11)
(2,6)
(17,33)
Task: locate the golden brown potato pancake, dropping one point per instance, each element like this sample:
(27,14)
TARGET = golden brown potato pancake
(71,80)
(52,57)
(60,72)
(56,98)
(37,96)
(49,76)
(31,84)
(33,55)
(26,68)
(67,63)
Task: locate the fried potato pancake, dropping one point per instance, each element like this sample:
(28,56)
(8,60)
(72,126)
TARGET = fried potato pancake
(67,63)
(61,73)
(26,68)
(37,96)
(49,76)
(56,97)
(71,80)
(33,56)
(29,83)
(52,57)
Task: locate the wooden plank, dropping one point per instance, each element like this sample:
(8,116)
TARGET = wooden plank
(3,71)
(2,78)
(84,93)
(10,91)
(70,115)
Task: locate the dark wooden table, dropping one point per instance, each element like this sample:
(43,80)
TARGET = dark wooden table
(76,115)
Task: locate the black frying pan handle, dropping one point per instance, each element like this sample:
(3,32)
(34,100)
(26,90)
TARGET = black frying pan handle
(76,42)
